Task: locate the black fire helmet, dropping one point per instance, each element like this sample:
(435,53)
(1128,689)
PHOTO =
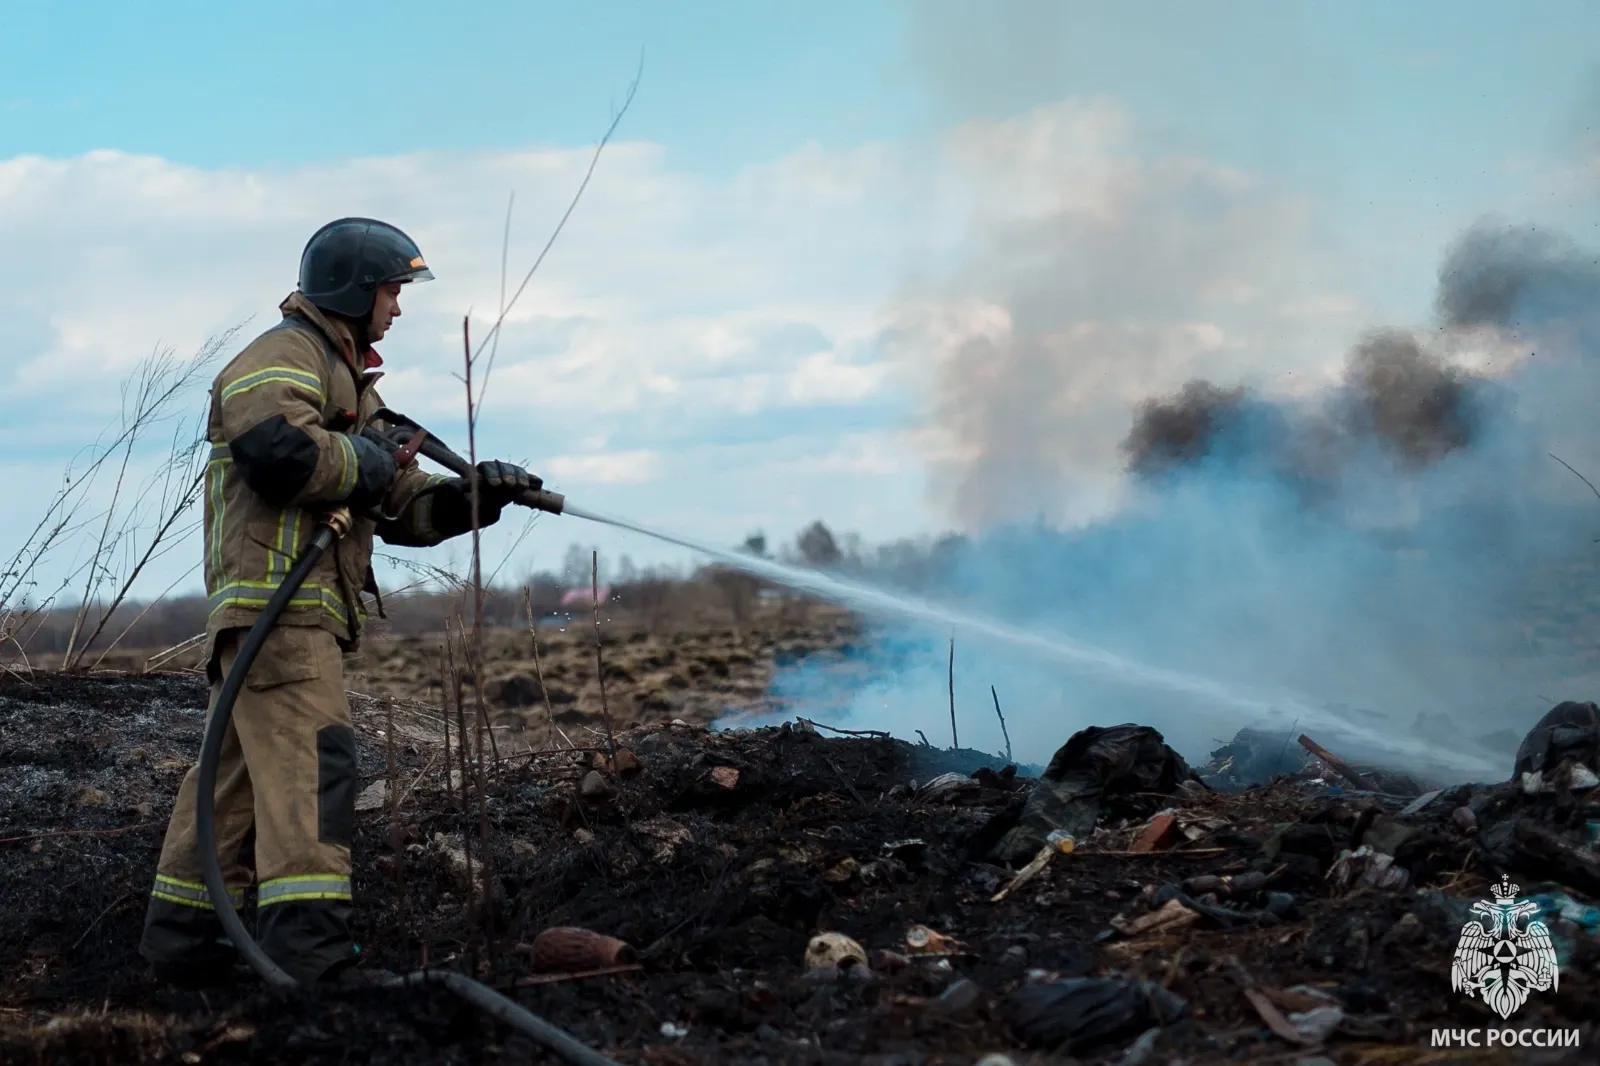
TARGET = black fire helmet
(345,261)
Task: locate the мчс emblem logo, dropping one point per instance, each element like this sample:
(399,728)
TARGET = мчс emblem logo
(1499,961)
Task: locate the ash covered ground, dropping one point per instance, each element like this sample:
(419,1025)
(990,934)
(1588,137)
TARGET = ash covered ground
(720,856)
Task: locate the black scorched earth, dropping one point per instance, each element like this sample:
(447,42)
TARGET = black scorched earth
(1303,919)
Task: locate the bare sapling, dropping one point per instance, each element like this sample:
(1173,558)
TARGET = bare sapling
(955,743)
(599,659)
(538,673)
(165,502)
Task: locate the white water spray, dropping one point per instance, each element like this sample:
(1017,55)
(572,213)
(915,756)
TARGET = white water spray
(1051,648)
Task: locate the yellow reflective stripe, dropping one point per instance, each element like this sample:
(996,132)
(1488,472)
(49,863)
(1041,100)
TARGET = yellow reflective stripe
(185,886)
(220,452)
(279,375)
(215,472)
(292,889)
(350,469)
(286,543)
(189,893)
(289,538)
(257,593)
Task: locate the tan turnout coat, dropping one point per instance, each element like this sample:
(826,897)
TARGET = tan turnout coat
(316,379)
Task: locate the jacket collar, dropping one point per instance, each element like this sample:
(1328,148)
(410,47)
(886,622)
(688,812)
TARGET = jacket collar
(335,330)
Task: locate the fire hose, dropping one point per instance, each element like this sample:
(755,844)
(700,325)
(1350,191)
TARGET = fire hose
(409,438)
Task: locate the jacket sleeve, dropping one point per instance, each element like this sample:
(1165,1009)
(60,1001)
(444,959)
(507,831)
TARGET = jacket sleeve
(411,501)
(430,509)
(270,401)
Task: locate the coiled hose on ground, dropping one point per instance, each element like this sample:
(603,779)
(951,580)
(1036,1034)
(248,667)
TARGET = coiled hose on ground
(483,997)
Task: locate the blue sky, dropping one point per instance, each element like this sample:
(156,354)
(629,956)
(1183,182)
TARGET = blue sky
(1249,184)
(252,84)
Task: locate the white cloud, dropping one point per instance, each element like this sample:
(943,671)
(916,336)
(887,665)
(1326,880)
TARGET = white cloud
(679,353)
(1092,276)
(616,468)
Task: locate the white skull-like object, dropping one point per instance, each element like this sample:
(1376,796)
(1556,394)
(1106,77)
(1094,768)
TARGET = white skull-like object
(835,950)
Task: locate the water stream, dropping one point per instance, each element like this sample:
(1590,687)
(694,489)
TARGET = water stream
(1051,648)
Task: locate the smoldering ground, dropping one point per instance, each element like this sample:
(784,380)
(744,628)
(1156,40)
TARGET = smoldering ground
(1395,560)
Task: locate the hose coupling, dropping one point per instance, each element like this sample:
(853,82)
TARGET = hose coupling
(340,521)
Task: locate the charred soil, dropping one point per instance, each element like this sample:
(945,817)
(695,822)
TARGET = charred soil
(718,857)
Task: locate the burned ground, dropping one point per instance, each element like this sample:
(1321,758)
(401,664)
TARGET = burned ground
(718,860)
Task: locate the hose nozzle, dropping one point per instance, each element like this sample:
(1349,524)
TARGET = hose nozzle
(543,500)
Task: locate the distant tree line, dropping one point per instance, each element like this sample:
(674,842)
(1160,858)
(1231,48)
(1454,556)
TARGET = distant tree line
(434,596)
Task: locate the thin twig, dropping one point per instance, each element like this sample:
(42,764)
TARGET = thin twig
(1002,718)
(955,745)
(599,660)
(538,671)
(584,184)
(109,907)
(494,339)
(161,657)
(558,978)
(876,733)
(475,649)
(846,781)
(420,775)
(1580,477)
(395,840)
(129,627)
(80,833)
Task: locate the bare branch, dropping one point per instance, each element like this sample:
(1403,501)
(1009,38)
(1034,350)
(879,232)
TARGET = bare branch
(594,161)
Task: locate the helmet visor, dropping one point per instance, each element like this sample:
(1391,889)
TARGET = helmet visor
(419,272)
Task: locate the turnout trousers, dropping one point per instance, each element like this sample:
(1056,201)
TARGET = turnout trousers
(287,775)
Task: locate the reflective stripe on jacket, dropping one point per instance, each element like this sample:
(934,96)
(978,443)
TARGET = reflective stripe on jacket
(281,457)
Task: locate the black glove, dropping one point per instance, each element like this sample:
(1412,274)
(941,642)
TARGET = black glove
(375,473)
(503,483)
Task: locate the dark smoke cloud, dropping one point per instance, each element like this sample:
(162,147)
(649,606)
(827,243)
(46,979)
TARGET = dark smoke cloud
(1391,552)
(1148,436)
(1183,430)
(1396,395)
(1506,276)
(1417,404)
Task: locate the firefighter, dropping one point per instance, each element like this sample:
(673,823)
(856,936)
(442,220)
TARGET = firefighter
(286,447)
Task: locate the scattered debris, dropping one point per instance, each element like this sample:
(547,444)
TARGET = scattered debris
(1160,833)
(1079,1014)
(1253,757)
(1334,763)
(773,909)
(948,788)
(569,949)
(1058,842)
(929,943)
(834,951)
(1416,805)
(1095,766)
(595,787)
(1171,916)
(373,797)
(1365,866)
(1569,731)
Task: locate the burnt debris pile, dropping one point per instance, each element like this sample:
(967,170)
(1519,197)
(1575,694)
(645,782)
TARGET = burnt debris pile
(786,896)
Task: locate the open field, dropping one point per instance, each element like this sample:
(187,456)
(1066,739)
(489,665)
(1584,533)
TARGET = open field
(720,855)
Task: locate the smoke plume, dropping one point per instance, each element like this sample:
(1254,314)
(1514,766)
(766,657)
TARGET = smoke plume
(1174,442)
(1394,554)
